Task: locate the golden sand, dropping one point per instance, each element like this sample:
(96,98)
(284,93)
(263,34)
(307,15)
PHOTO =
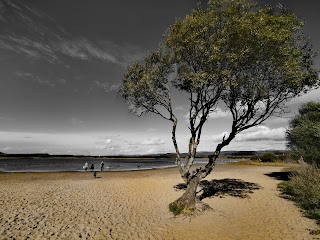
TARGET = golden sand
(134,205)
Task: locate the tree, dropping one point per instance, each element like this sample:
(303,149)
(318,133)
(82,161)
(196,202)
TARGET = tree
(303,134)
(233,53)
(269,157)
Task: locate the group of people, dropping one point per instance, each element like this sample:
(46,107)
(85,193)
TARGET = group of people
(85,167)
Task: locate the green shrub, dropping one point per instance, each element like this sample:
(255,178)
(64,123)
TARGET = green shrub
(303,134)
(175,209)
(269,157)
(304,188)
(284,157)
(255,158)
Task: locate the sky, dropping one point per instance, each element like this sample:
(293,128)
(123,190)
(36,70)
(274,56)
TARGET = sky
(62,63)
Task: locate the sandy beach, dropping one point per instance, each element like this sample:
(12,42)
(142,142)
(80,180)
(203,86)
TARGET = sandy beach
(134,205)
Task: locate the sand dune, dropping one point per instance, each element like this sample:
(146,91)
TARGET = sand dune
(133,205)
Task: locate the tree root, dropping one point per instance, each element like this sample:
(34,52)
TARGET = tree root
(198,209)
(189,211)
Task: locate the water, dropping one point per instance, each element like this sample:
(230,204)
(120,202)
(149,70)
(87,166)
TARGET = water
(76,164)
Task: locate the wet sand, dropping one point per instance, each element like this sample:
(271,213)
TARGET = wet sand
(134,205)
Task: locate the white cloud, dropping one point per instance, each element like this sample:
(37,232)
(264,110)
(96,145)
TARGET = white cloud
(75,121)
(219,137)
(6,149)
(37,142)
(102,85)
(45,40)
(182,109)
(7,119)
(256,138)
(260,133)
(109,146)
(114,88)
(85,50)
(297,102)
(45,82)
(130,143)
(153,141)
(276,121)
(151,130)
(219,113)
(256,145)
(24,74)
(33,77)
(62,81)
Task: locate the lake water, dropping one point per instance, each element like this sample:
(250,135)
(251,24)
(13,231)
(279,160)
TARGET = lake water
(76,164)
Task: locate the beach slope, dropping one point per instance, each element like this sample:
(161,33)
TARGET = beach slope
(134,205)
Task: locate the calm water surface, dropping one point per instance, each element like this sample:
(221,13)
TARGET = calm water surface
(76,164)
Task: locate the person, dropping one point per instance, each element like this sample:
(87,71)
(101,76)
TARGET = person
(101,165)
(85,166)
(92,167)
(95,174)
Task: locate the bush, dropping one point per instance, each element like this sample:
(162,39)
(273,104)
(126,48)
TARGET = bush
(303,134)
(175,209)
(304,188)
(284,157)
(255,158)
(269,157)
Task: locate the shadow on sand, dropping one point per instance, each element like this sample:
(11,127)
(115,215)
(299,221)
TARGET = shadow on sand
(282,176)
(224,187)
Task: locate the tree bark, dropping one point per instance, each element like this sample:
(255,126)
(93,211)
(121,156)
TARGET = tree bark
(189,199)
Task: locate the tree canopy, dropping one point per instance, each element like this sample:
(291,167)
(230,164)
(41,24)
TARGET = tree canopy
(303,134)
(234,53)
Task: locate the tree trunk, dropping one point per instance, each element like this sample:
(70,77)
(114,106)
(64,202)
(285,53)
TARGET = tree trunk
(188,199)
(187,202)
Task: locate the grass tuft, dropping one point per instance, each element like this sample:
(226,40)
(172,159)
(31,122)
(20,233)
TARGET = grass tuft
(278,163)
(175,209)
(304,188)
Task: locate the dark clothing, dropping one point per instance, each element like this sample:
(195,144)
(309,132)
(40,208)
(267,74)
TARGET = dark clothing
(102,165)
(92,167)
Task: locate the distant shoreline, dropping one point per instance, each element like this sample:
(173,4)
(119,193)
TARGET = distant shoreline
(224,154)
(76,165)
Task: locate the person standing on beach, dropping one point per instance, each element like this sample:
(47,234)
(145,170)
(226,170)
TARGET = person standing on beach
(92,167)
(101,165)
(85,166)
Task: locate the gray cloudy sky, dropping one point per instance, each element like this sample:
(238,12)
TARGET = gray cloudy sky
(62,63)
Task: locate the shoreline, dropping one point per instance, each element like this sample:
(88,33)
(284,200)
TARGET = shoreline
(83,171)
(112,166)
(134,205)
